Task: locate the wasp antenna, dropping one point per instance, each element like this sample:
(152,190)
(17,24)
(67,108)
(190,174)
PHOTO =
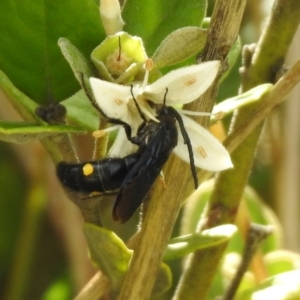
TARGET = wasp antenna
(137,105)
(188,143)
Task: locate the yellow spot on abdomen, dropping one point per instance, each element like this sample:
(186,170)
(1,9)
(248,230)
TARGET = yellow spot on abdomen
(87,169)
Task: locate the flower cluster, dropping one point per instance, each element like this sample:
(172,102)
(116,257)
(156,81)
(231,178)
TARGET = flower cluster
(184,85)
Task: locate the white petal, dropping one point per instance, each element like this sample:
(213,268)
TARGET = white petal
(112,98)
(121,146)
(184,85)
(209,153)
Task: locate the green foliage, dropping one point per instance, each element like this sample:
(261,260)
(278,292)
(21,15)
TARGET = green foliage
(80,66)
(154,20)
(108,252)
(24,105)
(48,51)
(186,244)
(259,213)
(179,45)
(111,256)
(81,112)
(29,54)
(22,132)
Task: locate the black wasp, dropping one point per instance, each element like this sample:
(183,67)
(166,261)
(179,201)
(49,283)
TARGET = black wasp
(156,141)
(134,174)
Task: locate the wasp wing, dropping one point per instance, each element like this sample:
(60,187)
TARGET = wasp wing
(144,173)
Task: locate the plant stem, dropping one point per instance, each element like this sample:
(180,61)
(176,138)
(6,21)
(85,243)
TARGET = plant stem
(256,234)
(155,232)
(162,213)
(95,288)
(230,184)
(277,94)
(222,33)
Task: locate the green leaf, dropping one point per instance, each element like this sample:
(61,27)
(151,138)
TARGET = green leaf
(112,257)
(179,45)
(229,105)
(163,280)
(78,63)
(23,104)
(108,252)
(154,20)
(81,67)
(183,245)
(29,54)
(22,132)
(81,112)
(257,210)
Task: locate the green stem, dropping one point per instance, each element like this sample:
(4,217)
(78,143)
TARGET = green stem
(229,188)
(223,32)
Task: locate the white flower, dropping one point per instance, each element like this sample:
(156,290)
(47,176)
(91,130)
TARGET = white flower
(184,85)
(209,153)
